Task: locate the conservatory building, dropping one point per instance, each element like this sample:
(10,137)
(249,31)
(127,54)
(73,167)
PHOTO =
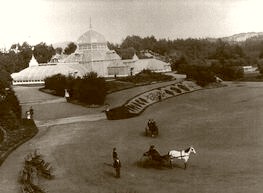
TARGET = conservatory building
(92,54)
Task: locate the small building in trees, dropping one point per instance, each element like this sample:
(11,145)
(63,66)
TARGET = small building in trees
(91,54)
(249,69)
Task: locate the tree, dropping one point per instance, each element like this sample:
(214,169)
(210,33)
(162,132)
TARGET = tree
(10,110)
(43,53)
(161,47)
(126,53)
(5,79)
(148,43)
(24,56)
(58,50)
(238,52)
(132,41)
(223,50)
(92,89)
(8,62)
(260,49)
(201,74)
(112,46)
(176,61)
(71,48)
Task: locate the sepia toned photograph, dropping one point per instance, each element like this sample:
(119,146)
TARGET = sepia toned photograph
(131,96)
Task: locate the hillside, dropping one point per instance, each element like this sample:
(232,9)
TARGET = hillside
(243,36)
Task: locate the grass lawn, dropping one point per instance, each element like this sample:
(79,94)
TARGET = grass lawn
(224,125)
(115,85)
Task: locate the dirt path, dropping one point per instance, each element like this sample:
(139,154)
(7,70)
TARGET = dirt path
(61,121)
(49,111)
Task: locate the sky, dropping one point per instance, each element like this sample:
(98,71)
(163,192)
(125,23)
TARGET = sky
(53,21)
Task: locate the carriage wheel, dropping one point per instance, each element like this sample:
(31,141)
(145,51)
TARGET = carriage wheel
(143,161)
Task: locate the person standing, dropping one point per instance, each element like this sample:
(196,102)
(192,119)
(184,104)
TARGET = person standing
(114,154)
(117,166)
(28,115)
(31,110)
(67,95)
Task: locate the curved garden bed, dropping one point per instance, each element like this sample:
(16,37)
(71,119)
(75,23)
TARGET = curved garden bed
(14,138)
(139,103)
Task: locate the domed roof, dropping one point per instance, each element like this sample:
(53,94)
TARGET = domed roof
(91,36)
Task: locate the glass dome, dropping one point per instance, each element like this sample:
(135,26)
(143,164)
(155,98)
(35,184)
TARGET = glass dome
(91,37)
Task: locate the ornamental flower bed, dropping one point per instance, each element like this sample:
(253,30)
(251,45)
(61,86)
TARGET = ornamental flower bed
(138,104)
(35,167)
(142,101)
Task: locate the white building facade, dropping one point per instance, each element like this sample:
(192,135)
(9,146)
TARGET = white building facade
(91,55)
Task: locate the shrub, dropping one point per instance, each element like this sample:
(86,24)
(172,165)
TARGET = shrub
(14,103)
(10,109)
(57,82)
(119,113)
(201,74)
(231,72)
(146,76)
(90,89)
(9,121)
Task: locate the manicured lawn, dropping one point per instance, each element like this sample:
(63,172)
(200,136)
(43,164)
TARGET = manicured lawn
(224,126)
(115,85)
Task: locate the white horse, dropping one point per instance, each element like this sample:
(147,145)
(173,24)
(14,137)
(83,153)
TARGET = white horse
(183,155)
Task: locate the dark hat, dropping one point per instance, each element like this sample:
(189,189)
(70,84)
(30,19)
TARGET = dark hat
(152,146)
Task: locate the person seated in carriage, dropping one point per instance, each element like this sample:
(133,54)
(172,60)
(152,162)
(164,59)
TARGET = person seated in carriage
(153,153)
(152,127)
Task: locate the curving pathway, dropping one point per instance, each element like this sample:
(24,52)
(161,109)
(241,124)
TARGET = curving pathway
(50,112)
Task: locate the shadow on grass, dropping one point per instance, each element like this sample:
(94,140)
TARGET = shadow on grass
(109,174)
(151,164)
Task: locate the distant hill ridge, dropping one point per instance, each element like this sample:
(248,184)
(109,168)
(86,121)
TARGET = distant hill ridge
(243,36)
(234,38)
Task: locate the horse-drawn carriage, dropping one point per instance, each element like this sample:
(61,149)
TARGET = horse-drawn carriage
(153,157)
(151,129)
